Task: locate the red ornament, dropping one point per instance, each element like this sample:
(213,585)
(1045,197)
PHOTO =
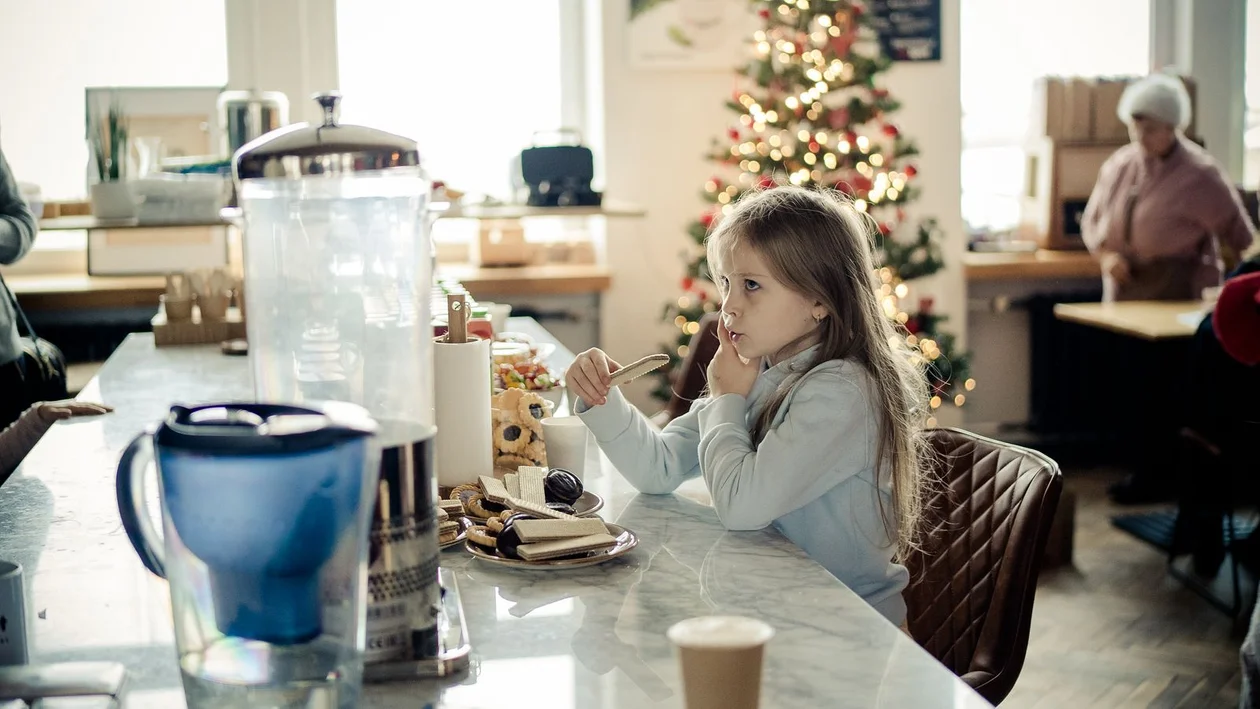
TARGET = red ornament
(862,183)
(912,325)
(879,93)
(925,305)
(841,45)
(885,228)
(891,130)
(851,137)
(838,118)
(814,146)
(707,219)
(901,214)
(688,283)
(911,170)
(733,133)
(765,13)
(766,182)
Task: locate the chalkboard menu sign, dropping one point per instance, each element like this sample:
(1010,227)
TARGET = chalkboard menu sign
(909,30)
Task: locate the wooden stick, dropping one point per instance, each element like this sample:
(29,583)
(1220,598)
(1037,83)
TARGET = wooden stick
(457,318)
(636,369)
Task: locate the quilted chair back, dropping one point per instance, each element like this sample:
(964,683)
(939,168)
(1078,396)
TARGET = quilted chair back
(971,592)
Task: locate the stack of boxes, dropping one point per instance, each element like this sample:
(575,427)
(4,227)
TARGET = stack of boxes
(1074,129)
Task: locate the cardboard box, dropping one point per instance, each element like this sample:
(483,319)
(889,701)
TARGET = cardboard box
(1078,110)
(1107,125)
(1047,107)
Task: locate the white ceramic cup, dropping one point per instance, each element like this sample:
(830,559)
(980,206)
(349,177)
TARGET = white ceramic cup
(13,645)
(499,314)
(720,658)
(565,439)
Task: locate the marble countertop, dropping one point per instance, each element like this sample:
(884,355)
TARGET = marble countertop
(591,637)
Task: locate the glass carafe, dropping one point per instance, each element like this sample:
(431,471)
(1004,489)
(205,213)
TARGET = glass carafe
(338,272)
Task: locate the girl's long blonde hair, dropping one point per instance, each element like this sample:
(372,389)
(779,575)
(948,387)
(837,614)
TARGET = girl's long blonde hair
(818,245)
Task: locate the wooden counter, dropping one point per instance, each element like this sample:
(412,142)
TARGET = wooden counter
(1041,264)
(80,291)
(1144,319)
(548,279)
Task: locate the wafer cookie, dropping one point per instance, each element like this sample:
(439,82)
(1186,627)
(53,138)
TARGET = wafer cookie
(559,548)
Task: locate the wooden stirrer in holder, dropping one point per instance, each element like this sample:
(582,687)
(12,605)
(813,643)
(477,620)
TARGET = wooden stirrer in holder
(457,318)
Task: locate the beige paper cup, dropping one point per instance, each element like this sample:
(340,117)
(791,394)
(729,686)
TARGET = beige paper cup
(565,440)
(720,658)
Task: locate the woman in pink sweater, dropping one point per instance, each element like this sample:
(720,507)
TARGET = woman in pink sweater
(19,438)
(1163,210)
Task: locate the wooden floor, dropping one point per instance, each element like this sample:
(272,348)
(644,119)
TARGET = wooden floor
(1115,630)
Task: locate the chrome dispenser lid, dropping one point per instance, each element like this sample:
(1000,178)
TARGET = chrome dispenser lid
(329,149)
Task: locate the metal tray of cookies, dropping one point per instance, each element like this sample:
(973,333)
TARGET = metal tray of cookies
(454,648)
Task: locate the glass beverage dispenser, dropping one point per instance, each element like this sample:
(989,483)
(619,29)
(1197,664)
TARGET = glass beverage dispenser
(338,273)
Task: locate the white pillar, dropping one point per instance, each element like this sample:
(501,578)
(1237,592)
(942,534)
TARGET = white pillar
(1206,39)
(284,45)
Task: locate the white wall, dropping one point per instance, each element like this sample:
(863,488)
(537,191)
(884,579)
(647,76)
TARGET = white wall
(52,49)
(656,126)
(284,45)
(1207,39)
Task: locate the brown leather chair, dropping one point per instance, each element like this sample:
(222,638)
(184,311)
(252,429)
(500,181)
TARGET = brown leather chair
(971,592)
(691,377)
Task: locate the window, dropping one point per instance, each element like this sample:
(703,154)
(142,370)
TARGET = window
(470,82)
(1251,138)
(53,49)
(1005,47)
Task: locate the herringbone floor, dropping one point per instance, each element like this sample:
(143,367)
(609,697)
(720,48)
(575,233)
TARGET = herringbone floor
(1115,630)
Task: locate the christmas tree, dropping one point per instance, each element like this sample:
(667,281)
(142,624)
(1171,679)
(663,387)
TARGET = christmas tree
(811,113)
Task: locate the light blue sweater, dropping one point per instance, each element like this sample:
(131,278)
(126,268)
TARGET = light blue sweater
(812,476)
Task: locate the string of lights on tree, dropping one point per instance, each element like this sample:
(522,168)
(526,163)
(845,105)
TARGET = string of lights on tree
(810,113)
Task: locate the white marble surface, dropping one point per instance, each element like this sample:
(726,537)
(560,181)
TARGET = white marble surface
(581,638)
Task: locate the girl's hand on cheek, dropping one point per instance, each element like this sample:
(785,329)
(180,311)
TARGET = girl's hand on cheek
(728,372)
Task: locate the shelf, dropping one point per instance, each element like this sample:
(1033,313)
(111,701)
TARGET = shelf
(79,291)
(543,279)
(90,222)
(231,215)
(519,211)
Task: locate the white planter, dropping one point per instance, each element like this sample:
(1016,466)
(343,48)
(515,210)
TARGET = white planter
(113,200)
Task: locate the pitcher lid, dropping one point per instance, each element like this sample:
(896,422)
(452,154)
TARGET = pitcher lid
(262,429)
(329,149)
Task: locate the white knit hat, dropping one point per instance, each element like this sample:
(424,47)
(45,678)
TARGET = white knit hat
(1157,96)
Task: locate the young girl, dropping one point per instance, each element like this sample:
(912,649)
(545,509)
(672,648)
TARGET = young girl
(813,419)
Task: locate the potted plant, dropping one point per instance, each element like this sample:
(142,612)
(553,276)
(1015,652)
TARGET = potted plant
(107,143)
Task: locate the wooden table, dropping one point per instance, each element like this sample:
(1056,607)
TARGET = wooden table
(1122,382)
(1151,320)
(591,637)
